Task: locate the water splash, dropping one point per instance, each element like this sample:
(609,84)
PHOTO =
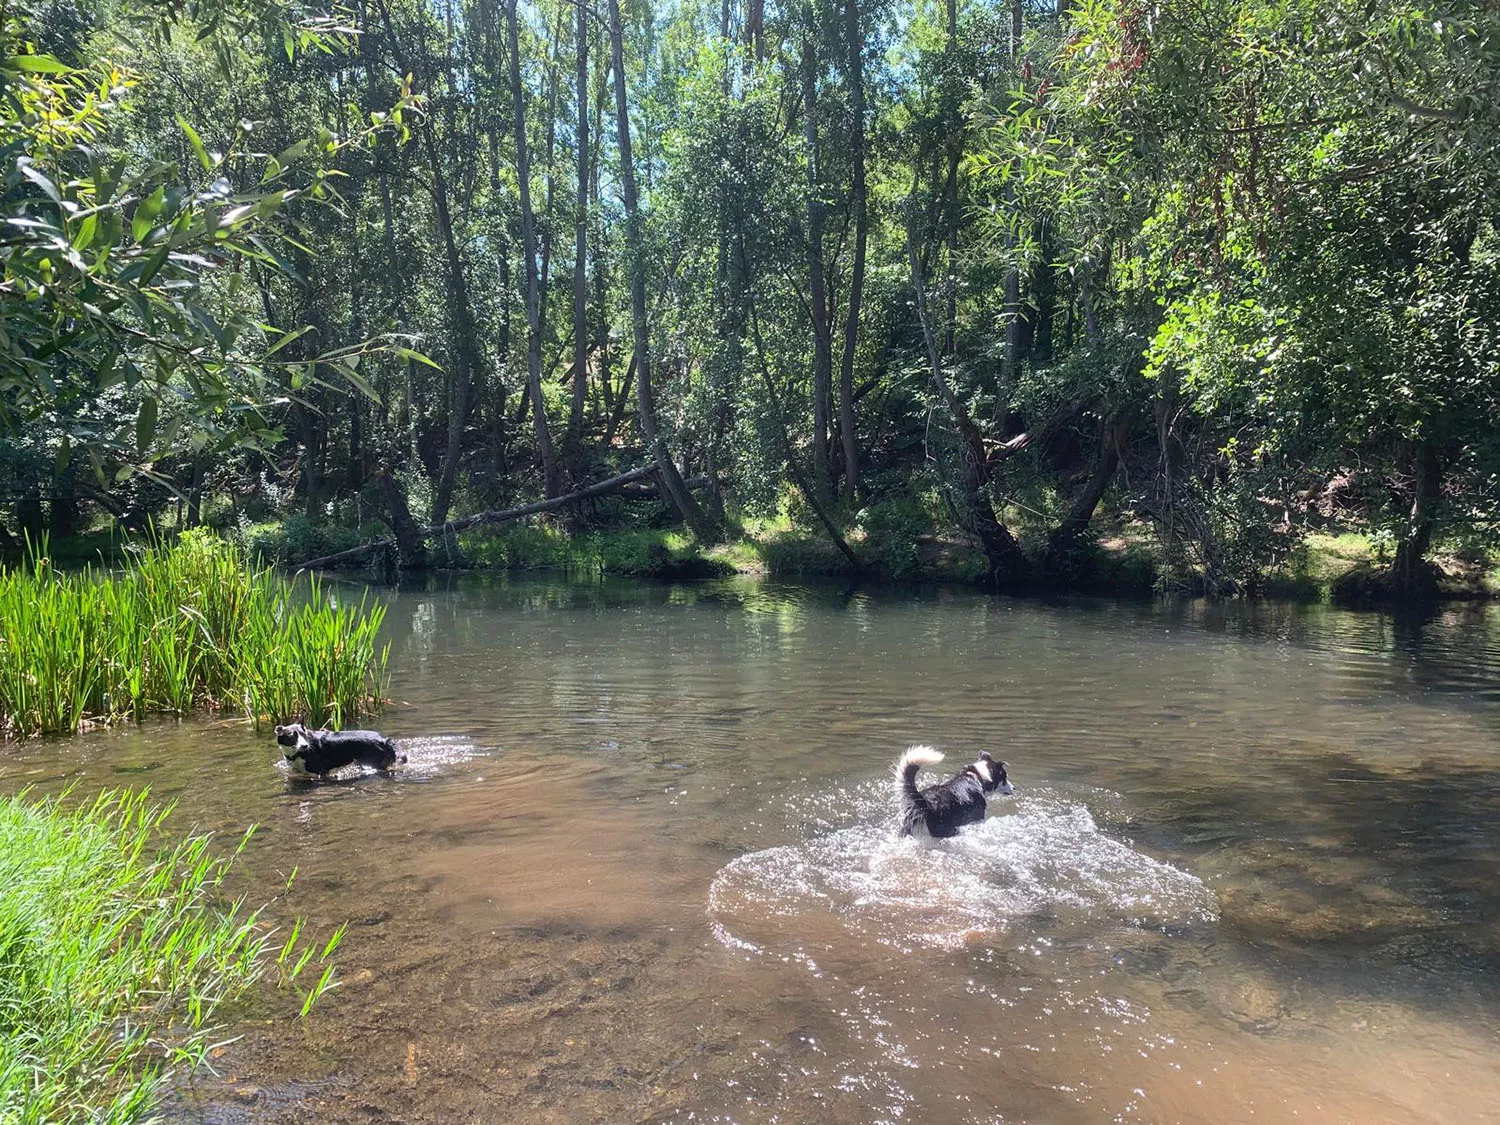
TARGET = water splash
(1041,864)
(434,754)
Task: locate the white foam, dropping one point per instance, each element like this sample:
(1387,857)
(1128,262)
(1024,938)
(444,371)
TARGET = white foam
(430,756)
(1042,860)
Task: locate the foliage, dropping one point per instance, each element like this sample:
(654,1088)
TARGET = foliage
(128,283)
(183,626)
(115,955)
(641,553)
(1230,272)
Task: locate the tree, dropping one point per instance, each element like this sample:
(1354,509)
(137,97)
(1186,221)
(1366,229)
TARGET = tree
(860,204)
(671,478)
(580,251)
(550,474)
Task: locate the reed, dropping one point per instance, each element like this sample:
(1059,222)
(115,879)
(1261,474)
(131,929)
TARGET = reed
(115,951)
(184,626)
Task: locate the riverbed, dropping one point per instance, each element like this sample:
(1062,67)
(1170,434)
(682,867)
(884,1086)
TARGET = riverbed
(641,863)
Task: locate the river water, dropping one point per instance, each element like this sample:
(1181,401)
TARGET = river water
(640,866)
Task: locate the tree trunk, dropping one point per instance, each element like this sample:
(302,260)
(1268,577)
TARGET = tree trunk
(551,478)
(1411,574)
(955,137)
(409,550)
(544,235)
(861,230)
(465,344)
(1064,538)
(404,411)
(976,514)
(834,534)
(194,515)
(417,535)
(1011,356)
(1044,293)
(671,479)
(574,441)
(62,512)
(463,324)
(816,283)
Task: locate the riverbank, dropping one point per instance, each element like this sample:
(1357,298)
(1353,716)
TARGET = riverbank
(894,545)
(115,955)
(1123,560)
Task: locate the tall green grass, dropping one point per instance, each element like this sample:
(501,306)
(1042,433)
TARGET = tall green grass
(183,626)
(115,953)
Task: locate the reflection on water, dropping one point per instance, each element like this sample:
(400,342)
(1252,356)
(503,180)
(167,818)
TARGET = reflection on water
(640,865)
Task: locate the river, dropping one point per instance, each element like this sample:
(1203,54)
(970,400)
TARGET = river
(640,865)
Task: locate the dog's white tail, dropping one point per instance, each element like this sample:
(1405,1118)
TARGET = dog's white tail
(913,759)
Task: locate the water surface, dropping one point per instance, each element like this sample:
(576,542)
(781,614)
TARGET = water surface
(641,867)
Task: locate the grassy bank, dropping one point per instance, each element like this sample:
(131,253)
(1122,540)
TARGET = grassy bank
(901,539)
(181,627)
(114,956)
(1122,560)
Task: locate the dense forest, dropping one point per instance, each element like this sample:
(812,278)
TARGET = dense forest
(1039,283)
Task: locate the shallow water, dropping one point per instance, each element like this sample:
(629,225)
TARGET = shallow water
(641,868)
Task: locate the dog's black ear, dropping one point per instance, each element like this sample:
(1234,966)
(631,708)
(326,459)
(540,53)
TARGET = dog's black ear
(984,755)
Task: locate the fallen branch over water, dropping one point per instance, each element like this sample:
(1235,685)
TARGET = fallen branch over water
(495,516)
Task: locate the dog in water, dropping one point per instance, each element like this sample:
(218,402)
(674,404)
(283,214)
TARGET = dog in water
(325,750)
(942,809)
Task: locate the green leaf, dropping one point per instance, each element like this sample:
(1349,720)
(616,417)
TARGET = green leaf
(37,64)
(418,357)
(359,382)
(287,339)
(64,455)
(145,424)
(197,142)
(83,238)
(40,178)
(145,211)
(156,262)
(170,431)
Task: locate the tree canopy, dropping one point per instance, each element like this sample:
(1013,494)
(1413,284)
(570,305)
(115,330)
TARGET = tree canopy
(1222,273)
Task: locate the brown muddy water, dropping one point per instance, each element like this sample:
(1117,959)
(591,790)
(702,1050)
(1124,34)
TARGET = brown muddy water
(640,866)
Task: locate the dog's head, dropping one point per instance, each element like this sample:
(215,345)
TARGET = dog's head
(991,774)
(293,737)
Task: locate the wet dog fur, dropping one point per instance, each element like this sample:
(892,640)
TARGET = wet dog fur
(941,809)
(321,751)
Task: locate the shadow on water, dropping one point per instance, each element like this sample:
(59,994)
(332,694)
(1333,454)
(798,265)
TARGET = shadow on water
(640,868)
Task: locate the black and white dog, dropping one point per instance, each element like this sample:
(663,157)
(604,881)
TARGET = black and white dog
(944,808)
(324,750)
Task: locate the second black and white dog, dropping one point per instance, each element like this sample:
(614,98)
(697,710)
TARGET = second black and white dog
(942,809)
(325,750)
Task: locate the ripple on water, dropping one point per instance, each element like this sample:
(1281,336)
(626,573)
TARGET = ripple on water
(1042,862)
